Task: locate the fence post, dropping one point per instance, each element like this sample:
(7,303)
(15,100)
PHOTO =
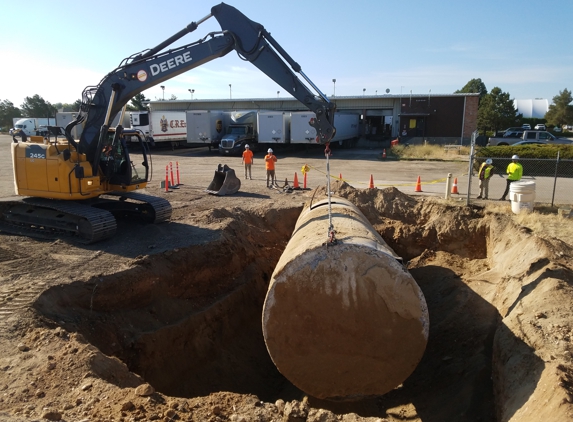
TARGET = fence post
(448,186)
(470,171)
(555,179)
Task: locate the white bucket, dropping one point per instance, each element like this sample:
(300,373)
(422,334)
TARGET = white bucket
(522,195)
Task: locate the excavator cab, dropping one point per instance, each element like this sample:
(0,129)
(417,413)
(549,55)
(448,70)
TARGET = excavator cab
(121,167)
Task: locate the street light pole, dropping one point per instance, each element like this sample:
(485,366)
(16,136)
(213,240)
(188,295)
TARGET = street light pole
(230,95)
(163,89)
(191,91)
(334,83)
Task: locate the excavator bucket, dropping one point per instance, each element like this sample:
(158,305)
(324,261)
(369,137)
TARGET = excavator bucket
(225,182)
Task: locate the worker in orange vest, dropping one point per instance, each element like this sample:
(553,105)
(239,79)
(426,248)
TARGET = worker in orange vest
(270,161)
(248,161)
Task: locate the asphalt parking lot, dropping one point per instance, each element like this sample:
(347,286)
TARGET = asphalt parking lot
(355,166)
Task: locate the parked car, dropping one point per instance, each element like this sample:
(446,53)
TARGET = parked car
(557,129)
(540,126)
(513,132)
(531,143)
(526,126)
(530,135)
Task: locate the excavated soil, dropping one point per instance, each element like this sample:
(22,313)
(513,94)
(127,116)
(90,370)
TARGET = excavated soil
(163,322)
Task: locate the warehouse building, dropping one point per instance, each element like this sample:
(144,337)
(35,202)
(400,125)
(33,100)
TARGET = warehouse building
(415,118)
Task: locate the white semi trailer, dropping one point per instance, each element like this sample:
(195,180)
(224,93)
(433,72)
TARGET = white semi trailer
(273,127)
(161,126)
(259,129)
(206,127)
(346,124)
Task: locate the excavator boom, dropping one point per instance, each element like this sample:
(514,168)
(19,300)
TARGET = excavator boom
(144,70)
(77,187)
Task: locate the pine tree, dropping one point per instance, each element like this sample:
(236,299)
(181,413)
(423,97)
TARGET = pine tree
(561,111)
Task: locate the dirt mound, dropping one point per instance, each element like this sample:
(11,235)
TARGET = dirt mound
(164,323)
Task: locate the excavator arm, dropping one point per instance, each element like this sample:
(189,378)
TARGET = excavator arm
(149,68)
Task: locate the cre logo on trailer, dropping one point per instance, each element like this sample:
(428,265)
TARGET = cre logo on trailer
(35,151)
(163,123)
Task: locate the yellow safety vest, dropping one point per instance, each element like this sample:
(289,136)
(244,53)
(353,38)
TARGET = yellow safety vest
(486,171)
(514,171)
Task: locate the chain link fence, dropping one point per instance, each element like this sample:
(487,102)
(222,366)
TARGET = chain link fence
(553,176)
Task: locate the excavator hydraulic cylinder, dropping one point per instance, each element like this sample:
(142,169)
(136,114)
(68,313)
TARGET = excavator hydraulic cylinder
(343,320)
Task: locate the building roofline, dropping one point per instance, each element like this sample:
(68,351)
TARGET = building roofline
(338,97)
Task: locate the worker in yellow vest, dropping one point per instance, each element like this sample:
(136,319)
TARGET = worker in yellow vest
(514,172)
(484,174)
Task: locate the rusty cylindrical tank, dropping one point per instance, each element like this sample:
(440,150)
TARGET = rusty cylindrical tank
(343,322)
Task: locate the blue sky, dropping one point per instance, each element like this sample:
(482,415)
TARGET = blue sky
(55,49)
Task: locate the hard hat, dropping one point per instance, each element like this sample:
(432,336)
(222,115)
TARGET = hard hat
(488,161)
(247,146)
(270,150)
(515,157)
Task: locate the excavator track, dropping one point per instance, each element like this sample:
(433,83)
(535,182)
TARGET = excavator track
(87,221)
(53,219)
(151,209)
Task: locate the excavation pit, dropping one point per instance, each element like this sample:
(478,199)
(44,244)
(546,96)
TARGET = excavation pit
(188,321)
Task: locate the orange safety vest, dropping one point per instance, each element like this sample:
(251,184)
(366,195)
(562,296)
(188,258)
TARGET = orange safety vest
(247,156)
(270,161)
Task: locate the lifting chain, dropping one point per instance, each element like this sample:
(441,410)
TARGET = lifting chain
(331,231)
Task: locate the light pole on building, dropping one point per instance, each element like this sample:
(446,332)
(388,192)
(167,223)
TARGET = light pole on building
(278,93)
(163,89)
(363,92)
(191,91)
(230,94)
(334,85)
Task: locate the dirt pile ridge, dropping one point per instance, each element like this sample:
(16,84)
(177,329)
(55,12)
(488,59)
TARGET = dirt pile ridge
(163,322)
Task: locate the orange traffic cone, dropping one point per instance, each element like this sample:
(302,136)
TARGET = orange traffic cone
(340,176)
(384,153)
(418,185)
(455,186)
(296,186)
(371,186)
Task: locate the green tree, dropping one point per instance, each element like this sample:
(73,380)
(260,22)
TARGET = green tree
(138,103)
(475,86)
(497,111)
(75,106)
(7,113)
(36,106)
(561,111)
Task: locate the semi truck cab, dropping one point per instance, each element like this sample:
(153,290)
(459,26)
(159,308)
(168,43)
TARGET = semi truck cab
(233,142)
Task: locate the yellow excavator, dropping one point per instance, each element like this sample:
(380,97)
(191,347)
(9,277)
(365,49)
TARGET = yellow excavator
(78,187)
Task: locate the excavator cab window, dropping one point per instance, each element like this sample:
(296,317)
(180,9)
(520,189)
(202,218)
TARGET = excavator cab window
(118,167)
